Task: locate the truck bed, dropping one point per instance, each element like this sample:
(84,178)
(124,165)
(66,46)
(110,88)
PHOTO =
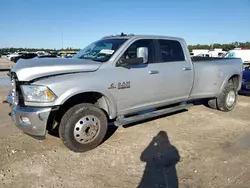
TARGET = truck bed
(210,73)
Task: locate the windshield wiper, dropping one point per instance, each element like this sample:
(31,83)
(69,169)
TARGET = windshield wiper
(93,59)
(99,60)
(82,57)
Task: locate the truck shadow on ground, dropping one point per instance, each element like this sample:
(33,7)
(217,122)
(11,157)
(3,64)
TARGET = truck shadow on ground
(161,158)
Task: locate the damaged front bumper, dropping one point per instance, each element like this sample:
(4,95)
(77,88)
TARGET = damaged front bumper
(32,121)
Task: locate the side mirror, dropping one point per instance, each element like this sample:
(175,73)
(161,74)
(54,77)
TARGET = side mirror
(142,52)
(142,57)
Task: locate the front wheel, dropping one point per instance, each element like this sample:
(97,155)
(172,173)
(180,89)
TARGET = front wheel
(83,127)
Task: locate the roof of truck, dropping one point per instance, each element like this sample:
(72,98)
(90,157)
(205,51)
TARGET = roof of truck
(122,35)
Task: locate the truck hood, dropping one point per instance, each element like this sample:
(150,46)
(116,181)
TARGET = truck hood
(29,69)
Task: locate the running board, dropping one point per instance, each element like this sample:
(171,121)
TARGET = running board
(124,121)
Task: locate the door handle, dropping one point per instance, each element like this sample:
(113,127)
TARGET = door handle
(153,72)
(186,68)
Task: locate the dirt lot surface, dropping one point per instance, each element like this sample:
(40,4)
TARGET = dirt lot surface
(200,147)
(5,64)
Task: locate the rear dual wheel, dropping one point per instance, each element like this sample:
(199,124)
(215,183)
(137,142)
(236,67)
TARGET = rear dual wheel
(227,99)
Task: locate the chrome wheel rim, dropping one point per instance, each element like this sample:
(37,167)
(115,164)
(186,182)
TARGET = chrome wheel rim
(231,96)
(86,129)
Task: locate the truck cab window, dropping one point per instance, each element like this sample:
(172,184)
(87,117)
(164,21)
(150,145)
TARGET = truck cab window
(171,50)
(131,52)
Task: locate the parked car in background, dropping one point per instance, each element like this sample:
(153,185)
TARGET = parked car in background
(15,54)
(245,87)
(23,56)
(40,52)
(47,56)
(69,55)
(203,55)
(123,79)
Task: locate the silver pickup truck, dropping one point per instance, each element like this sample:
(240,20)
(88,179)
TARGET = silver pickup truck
(120,79)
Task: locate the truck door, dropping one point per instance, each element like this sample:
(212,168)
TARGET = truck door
(176,71)
(137,84)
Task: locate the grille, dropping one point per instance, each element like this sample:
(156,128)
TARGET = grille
(16,90)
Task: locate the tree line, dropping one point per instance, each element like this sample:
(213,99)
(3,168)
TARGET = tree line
(225,47)
(12,50)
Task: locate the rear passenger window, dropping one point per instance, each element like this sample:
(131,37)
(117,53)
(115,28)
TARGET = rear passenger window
(171,50)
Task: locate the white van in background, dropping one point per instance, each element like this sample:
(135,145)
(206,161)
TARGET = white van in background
(216,52)
(244,54)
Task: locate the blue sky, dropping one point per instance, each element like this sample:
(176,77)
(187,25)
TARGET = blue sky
(43,23)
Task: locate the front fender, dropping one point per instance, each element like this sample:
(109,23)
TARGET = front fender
(107,94)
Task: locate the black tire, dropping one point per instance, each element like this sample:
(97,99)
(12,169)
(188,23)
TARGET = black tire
(221,100)
(69,120)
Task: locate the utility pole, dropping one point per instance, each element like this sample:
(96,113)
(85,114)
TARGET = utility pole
(62,39)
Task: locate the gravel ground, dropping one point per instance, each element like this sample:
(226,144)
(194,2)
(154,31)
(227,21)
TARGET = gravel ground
(200,147)
(5,64)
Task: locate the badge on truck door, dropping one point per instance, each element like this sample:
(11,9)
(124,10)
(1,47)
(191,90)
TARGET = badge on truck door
(123,85)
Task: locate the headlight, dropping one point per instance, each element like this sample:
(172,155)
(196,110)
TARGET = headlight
(35,93)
